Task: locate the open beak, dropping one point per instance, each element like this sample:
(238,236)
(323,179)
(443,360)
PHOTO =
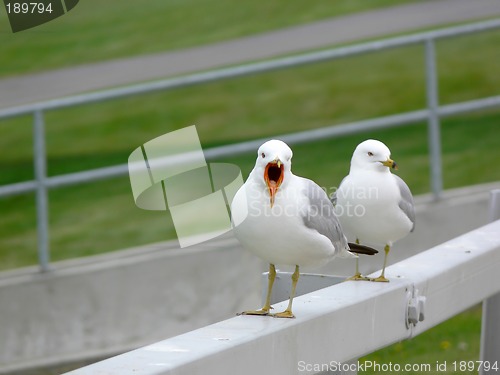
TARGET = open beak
(273,176)
(390,163)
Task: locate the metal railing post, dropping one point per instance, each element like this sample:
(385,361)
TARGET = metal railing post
(40,165)
(490,327)
(434,133)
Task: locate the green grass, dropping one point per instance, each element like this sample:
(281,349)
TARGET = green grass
(233,110)
(100,30)
(457,339)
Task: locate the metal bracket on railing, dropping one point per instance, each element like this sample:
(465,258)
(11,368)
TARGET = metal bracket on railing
(415,311)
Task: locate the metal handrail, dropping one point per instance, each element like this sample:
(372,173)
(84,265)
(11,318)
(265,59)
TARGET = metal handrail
(332,131)
(432,114)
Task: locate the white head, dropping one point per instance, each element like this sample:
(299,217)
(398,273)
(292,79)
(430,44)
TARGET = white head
(372,155)
(273,166)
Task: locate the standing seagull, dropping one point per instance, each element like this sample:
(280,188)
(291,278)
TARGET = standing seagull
(286,219)
(372,203)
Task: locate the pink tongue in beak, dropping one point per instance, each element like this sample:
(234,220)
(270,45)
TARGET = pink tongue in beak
(273,187)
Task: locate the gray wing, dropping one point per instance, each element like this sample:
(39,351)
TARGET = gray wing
(320,216)
(333,197)
(406,202)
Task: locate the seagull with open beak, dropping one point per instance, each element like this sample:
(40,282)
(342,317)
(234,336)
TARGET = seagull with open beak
(286,220)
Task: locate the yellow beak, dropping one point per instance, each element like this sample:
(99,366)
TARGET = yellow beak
(390,164)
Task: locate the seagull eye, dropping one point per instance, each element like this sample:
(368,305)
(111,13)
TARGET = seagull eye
(263,155)
(370,153)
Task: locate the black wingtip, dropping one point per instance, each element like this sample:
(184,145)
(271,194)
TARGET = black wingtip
(360,249)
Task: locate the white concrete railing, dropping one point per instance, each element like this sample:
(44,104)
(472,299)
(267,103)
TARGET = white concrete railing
(334,324)
(96,307)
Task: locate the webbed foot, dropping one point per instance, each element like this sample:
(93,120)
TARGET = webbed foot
(284,314)
(358,277)
(261,312)
(380,279)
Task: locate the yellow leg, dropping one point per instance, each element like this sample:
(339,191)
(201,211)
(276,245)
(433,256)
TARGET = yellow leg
(267,306)
(288,312)
(357,276)
(382,278)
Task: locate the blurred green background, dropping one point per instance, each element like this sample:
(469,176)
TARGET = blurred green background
(101,216)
